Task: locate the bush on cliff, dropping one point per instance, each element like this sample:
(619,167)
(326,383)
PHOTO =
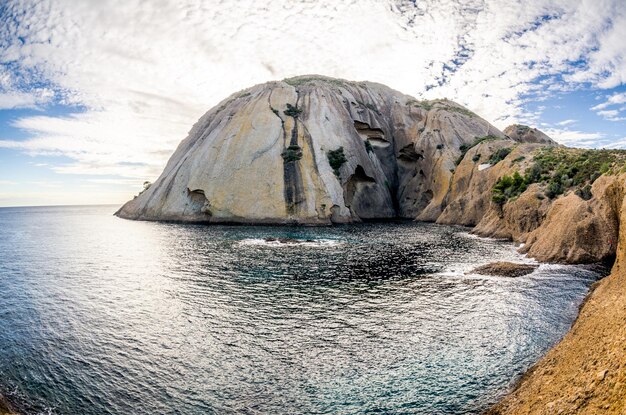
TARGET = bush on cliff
(466,147)
(508,187)
(292,153)
(336,159)
(561,169)
(499,155)
(292,111)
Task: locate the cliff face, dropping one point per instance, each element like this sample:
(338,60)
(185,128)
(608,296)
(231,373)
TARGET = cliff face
(313,150)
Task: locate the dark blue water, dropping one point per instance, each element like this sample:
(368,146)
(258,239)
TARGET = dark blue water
(100,315)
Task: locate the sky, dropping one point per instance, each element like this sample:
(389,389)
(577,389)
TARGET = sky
(95,95)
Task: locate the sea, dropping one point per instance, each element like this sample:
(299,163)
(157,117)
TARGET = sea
(101,315)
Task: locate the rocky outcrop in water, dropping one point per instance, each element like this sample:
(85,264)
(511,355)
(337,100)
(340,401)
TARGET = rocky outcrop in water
(505,269)
(313,150)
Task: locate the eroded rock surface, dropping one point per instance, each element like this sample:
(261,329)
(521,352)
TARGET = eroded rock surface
(586,372)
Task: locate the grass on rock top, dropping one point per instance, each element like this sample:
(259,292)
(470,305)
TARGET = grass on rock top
(559,170)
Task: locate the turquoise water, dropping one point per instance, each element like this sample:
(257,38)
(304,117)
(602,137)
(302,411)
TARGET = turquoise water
(99,315)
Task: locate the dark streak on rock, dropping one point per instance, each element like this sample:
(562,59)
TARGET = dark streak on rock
(294,192)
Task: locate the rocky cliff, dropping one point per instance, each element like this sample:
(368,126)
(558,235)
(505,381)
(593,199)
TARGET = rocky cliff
(313,150)
(586,372)
(525,134)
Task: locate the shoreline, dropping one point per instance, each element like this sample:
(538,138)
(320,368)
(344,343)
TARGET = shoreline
(585,372)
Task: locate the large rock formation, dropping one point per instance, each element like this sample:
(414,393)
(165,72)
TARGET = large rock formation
(525,134)
(313,150)
(316,150)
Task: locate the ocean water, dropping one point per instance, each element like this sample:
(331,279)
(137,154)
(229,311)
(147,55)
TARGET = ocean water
(100,315)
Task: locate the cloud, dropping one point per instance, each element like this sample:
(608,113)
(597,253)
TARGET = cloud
(144,71)
(615,99)
(615,114)
(575,138)
(611,115)
(566,122)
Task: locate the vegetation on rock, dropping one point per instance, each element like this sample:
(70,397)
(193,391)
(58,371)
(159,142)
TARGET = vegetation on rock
(336,159)
(292,111)
(466,147)
(292,153)
(301,80)
(508,187)
(499,155)
(439,104)
(561,169)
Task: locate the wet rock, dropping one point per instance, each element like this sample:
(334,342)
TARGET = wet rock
(505,269)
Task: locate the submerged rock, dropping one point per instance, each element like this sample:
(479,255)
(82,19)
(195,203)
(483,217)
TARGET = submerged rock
(5,407)
(505,269)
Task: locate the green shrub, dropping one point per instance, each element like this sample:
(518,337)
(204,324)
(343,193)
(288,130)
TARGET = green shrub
(439,146)
(292,153)
(292,111)
(499,155)
(476,158)
(368,146)
(336,159)
(466,147)
(508,187)
(554,189)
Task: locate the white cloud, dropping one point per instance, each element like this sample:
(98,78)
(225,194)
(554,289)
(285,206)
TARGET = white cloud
(145,71)
(615,99)
(575,138)
(566,122)
(615,115)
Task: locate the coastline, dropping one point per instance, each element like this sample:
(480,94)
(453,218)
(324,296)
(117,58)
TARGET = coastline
(585,373)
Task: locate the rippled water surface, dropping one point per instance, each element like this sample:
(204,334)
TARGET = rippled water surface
(100,315)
